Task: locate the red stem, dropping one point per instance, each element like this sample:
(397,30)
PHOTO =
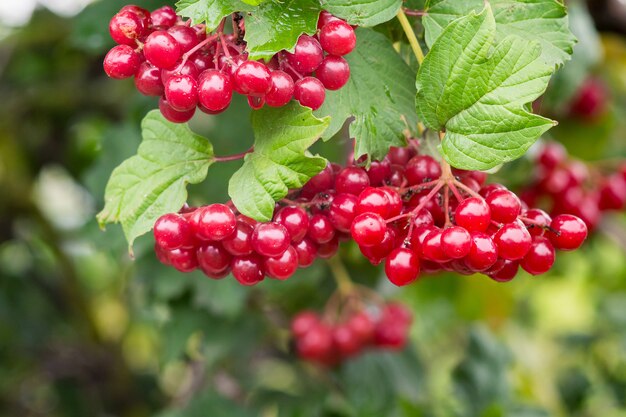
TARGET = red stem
(232,157)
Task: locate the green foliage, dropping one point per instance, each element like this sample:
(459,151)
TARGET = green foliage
(210,12)
(378,100)
(287,20)
(363,12)
(544,21)
(477,95)
(279,161)
(154,181)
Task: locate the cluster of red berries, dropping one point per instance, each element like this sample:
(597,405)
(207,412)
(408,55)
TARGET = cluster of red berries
(400,211)
(329,342)
(568,185)
(188,68)
(590,100)
(404,210)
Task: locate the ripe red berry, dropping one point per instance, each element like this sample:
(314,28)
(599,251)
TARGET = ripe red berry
(213,259)
(325,18)
(343,211)
(432,248)
(540,257)
(540,220)
(568,232)
(281,89)
(270,239)
(377,253)
(345,341)
(174,115)
(126,27)
(329,249)
(513,241)
(183,260)
(121,62)
(352,180)
(374,200)
(295,220)
(164,17)
(422,168)
(248,270)
(483,253)
(307,55)
(181,92)
(303,322)
(362,326)
(456,242)
(188,68)
(185,36)
(307,252)
(283,266)
(337,38)
(239,243)
(321,229)
(368,229)
(148,80)
(505,206)
(162,50)
(333,72)
(402,266)
(253,78)
(213,222)
(309,92)
(316,345)
(171,231)
(215,90)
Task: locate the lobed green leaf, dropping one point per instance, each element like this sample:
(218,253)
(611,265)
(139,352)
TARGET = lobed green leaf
(477,93)
(279,161)
(363,12)
(544,21)
(210,12)
(153,182)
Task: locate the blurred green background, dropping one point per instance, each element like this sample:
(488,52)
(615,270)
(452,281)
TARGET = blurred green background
(87,331)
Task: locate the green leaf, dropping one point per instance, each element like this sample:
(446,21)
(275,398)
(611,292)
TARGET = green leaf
(477,91)
(154,181)
(254,2)
(210,12)
(275,26)
(363,12)
(544,21)
(279,161)
(379,96)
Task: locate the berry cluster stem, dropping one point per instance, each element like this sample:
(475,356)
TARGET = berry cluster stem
(410,34)
(345,285)
(235,157)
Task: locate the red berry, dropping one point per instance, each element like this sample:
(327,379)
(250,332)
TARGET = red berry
(188,68)
(213,259)
(281,89)
(373,200)
(368,229)
(568,232)
(171,231)
(248,270)
(483,253)
(162,50)
(552,154)
(183,260)
(215,90)
(343,211)
(181,92)
(505,206)
(377,253)
(309,92)
(174,115)
(345,341)
(307,252)
(253,78)
(456,242)
(352,180)
(402,266)
(321,229)
(506,273)
(214,222)
(333,72)
(337,38)
(325,18)
(362,327)
(148,80)
(432,248)
(540,257)
(329,249)
(295,220)
(540,220)
(126,27)
(239,243)
(121,62)
(613,193)
(379,172)
(513,241)
(307,56)
(164,17)
(185,36)
(316,345)
(270,239)
(283,266)
(303,322)
(422,168)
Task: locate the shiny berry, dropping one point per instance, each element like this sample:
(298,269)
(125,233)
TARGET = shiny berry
(270,239)
(337,38)
(402,266)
